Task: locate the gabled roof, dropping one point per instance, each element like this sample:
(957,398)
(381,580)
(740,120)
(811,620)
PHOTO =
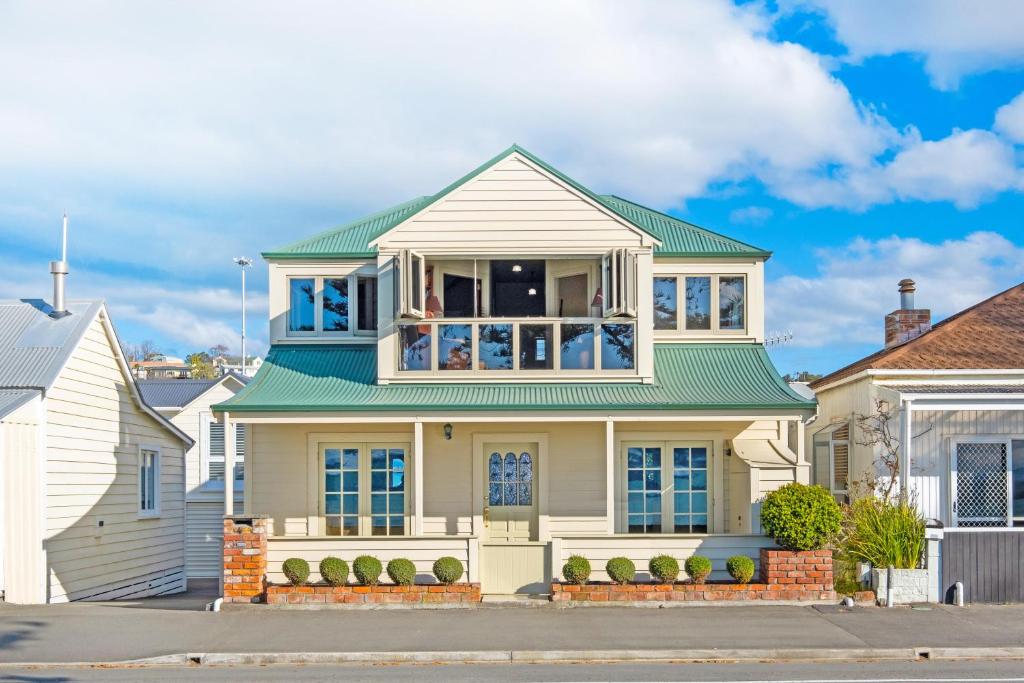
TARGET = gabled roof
(675,237)
(987,336)
(178,393)
(342,378)
(35,347)
(12,399)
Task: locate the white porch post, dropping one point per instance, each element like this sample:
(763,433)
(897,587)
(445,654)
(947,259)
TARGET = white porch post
(417,478)
(229,465)
(609,444)
(906,439)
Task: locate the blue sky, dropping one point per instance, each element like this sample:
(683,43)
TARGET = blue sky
(860,142)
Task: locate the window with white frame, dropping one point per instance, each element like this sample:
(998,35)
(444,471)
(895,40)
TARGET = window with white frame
(363,489)
(619,282)
(987,481)
(687,303)
(149,481)
(666,487)
(831,447)
(332,306)
(213,455)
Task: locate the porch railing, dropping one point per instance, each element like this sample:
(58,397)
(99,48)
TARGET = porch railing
(492,347)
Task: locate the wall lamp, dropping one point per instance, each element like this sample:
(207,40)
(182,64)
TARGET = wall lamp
(448,431)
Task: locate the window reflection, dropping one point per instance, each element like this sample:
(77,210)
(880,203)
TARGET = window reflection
(302,309)
(495,347)
(455,347)
(414,349)
(535,351)
(335,305)
(665,305)
(698,303)
(617,346)
(730,303)
(577,347)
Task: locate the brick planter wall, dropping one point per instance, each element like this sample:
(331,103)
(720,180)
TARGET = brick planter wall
(785,575)
(245,558)
(459,593)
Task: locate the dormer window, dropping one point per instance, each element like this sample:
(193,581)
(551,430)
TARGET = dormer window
(302,305)
(324,306)
(687,304)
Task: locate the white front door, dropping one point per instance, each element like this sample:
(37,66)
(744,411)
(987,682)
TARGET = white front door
(512,559)
(510,503)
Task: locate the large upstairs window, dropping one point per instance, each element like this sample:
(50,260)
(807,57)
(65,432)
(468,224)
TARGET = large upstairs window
(332,306)
(688,303)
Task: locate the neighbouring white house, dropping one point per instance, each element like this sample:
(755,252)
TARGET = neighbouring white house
(186,403)
(510,371)
(92,495)
(233,365)
(955,391)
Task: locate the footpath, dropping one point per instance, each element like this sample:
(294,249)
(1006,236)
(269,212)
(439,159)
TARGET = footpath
(175,629)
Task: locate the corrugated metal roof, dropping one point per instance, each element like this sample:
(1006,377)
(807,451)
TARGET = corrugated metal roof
(687,377)
(34,346)
(956,388)
(678,238)
(178,393)
(12,399)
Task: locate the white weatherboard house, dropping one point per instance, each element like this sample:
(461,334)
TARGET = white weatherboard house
(186,403)
(510,371)
(91,479)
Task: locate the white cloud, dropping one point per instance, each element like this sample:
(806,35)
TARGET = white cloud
(750,214)
(856,285)
(955,37)
(1010,119)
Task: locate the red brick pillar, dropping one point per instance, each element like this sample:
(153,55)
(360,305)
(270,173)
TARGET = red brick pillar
(245,558)
(799,575)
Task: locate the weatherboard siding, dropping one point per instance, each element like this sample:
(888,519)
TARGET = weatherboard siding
(512,205)
(190,421)
(94,430)
(22,562)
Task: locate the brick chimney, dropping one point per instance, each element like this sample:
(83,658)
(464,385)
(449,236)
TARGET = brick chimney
(906,322)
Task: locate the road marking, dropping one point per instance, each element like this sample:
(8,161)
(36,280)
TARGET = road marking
(958,679)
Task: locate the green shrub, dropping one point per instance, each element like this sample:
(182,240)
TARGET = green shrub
(740,567)
(367,570)
(884,533)
(801,517)
(296,570)
(402,571)
(447,570)
(576,570)
(334,571)
(697,568)
(664,568)
(620,569)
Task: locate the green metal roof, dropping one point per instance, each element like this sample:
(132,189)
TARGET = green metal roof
(339,377)
(678,238)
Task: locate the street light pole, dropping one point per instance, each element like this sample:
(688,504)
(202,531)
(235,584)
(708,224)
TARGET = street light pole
(243,262)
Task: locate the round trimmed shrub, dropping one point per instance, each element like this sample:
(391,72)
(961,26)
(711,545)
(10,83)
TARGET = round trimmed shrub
(620,570)
(402,571)
(334,571)
(801,517)
(296,570)
(697,568)
(367,570)
(576,570)
(664,568)
(447,570)
(740,567)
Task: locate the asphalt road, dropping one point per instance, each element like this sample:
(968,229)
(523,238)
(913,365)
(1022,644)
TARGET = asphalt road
(889,672)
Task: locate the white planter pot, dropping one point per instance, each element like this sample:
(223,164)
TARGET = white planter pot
(909,585)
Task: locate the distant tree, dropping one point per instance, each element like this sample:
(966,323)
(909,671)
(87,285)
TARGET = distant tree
(201,365)
(145,350)
(218,350)
(802,376)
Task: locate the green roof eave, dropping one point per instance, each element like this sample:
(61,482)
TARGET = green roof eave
(342,378)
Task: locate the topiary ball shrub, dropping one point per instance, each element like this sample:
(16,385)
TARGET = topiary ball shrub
(334,571)
(296,570)
(447,570)
(576,570)
(801,517)
(367,570)
(621,570)
(697,568)
(664,568)
(740,567)
(402,571)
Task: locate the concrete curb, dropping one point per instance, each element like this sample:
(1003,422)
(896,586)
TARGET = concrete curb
(541,656)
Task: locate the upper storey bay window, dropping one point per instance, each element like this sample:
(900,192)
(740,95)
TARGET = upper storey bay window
(516,315)
(332,306)
(700,303)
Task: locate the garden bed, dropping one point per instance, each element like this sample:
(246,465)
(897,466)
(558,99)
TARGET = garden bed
(689,592)
(382,594)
